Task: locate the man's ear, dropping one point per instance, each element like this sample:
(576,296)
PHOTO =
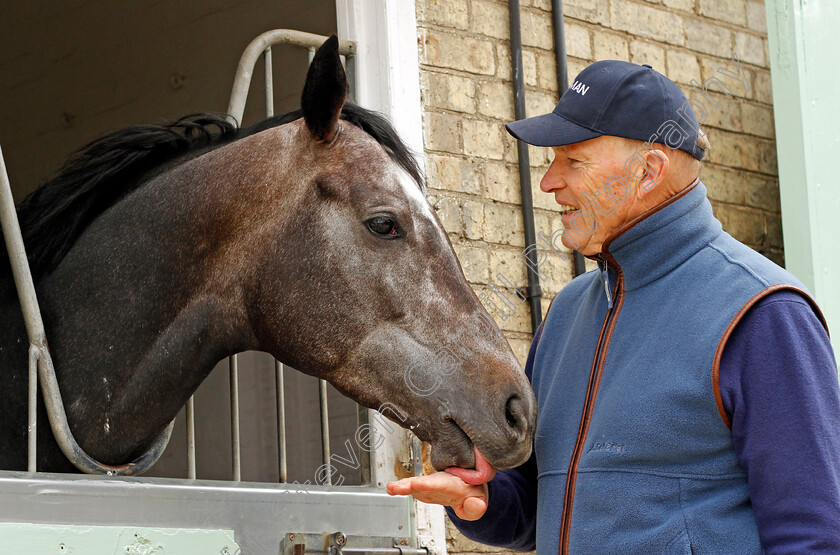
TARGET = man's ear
(652,166)
(324,92)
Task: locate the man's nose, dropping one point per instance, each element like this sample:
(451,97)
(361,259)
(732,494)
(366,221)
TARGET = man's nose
(551,181)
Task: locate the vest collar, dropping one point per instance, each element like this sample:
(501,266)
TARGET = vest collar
(658,241)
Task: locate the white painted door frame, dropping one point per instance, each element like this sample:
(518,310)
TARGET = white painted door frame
(388,81)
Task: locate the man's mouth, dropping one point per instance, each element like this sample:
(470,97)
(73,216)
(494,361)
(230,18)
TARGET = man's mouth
(567,209)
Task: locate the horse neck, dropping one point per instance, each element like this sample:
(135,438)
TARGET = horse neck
(146,303)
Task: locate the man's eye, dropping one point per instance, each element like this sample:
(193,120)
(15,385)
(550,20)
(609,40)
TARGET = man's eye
(383,226)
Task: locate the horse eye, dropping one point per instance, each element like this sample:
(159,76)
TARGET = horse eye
(383,226)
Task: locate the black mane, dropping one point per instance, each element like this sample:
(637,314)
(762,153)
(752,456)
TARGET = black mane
(100,173)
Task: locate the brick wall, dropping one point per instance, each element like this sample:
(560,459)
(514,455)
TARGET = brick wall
(471,162)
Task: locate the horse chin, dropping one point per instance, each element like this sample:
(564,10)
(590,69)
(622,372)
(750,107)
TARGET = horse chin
(454,448)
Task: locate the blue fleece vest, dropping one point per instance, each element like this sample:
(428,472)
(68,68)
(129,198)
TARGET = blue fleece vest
(628,397)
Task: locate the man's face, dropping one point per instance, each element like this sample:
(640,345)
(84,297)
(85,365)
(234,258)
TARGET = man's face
(577,177)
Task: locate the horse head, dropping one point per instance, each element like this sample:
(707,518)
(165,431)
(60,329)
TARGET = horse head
(361,286)
(160,250)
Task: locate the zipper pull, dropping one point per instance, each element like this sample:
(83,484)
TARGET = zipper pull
(605,277)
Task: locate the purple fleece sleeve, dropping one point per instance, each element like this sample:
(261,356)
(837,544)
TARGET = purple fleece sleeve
(511,517)
(779,386)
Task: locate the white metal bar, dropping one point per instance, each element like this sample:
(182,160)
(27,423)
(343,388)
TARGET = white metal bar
(234,418)
(46,372)
(32,428)
(242,81)
(190,413)
(281,421)
(269,84)
(325,429)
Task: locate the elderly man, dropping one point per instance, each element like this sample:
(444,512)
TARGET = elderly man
(688,394)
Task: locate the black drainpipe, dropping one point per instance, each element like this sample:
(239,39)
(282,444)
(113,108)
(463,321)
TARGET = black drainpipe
(563,86)
(532,293)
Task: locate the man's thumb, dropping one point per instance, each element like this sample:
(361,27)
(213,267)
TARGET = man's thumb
(473,508)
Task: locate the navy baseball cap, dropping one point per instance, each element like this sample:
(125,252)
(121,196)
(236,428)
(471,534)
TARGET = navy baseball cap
(617,98)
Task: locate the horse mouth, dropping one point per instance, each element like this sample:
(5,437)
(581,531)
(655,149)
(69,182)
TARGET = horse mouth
(453,447)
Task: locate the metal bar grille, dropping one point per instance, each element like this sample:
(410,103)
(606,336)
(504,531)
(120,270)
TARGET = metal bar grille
(261,46)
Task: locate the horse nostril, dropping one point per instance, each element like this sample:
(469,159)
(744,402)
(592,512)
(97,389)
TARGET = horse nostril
(514,413)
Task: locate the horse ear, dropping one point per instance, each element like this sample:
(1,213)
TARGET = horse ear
(324,92)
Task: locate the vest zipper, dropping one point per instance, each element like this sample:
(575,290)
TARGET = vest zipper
(605,277)
(607,327)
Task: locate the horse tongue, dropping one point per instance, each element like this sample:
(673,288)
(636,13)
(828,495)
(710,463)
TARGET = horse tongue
(480,475)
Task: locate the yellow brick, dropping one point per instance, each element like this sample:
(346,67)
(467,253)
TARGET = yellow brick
(577,42)
(708,38)
(750,49)
(474,261)
(642,52)
(724,184)
(744,224)
(647,21)
(473,219)
(756,19)
(762,192)
(483,139)
(454,173)
(442,172)
(529,68)
(609,46)
(730,11)
(520,348)
(575,66)
(722,111)
(445,13)
(683,67)
(503,225)
(774,230)
(733,150)
(710,67)
(546,71)
(761,87)
(537,29)
(491,19)
(449,92)
(495,100)
(443,49)
(501,182)
(540,156)
(767,161)
(686,5)
(587,10)
(742,188)
(537,103)
(441,131)
(506,261)
(511,154)
(757,120)
(449,213)
(503,65)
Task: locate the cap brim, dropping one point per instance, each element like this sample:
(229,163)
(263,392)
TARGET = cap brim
(549,130)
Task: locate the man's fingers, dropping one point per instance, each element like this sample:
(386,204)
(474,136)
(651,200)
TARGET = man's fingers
(469,502)
(440,482)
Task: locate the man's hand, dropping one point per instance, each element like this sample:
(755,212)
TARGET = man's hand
(442,488)
(462,489)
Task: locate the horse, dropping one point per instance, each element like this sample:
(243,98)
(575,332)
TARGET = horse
(159,250)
